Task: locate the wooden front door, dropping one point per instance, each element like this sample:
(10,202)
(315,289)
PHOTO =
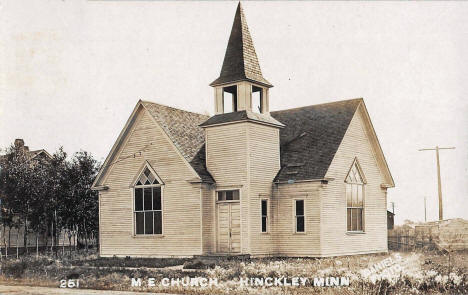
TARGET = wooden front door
(229,227)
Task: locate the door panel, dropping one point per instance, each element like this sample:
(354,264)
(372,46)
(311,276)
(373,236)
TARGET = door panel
(235,227)
(223,228)
(229,227)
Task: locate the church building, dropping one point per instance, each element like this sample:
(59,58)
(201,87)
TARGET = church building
(309,181)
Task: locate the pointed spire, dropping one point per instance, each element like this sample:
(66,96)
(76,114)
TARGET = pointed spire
(240,61)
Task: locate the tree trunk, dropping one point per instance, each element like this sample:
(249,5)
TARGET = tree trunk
(17,243)
(63,244)
(25,235)
(75,235)
(9,242)
(37,245)
(52,238)
(85,236)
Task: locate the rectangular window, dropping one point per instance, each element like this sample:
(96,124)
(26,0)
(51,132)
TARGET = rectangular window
(264,205)
(231,195)
(355,206)
(299,216)
(148,211)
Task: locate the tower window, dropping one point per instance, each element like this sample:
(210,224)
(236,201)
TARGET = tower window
(230,99)
(257,95)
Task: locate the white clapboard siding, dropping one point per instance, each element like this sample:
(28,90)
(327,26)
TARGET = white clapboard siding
(181,199)
(264,164)
(226,149)
(286,241)
(334,237)
(208,220)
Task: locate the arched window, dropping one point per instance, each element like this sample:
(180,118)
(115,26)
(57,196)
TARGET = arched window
(355,198)
(148,198)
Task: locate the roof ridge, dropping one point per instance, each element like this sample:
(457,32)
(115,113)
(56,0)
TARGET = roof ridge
(319,104)
(160,104)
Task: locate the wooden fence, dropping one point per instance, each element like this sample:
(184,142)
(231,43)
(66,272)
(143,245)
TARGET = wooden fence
(447,235)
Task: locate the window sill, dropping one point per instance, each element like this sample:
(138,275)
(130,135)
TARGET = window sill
(299,233)
(265,233)
(352,233)
(148,236)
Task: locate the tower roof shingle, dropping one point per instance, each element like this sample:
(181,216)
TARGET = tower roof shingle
(240,61)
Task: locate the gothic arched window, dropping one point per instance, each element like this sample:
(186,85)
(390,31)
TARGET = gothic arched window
(355,198)
(148,203)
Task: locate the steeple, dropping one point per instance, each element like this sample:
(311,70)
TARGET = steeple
(241,86)
(240,61)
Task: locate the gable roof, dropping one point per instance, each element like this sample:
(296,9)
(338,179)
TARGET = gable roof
(311,138)
(34,154)
(183,129)
(240,60)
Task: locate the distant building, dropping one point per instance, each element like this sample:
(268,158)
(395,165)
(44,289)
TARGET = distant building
(12,237)
(390,219)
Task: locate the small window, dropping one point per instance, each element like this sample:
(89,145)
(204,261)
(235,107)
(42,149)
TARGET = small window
(148,205)
(257,95)
(264,205)
(230,99)
(232,195)
(299,216)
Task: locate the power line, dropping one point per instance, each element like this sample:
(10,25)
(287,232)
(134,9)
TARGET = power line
(437,148)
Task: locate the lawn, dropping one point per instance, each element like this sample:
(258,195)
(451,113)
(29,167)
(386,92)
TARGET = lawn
(392,273)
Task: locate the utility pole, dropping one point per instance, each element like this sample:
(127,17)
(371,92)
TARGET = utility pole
(425,219)
(437,148)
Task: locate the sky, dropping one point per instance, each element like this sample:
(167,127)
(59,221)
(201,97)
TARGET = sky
(71,72)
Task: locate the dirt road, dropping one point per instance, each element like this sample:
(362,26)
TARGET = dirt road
(28,290)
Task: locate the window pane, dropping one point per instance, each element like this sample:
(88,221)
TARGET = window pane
(359,219)
(354,217)
(348,213)
(359,196)
(300,224)
(138,199)
(158,222)
(156,198)
(299,207)
(264,224)
(235,195)
(221,196)
(147,199)
(151,178)
(264,207)
(355,193)
(147,172)
(348,195)
(228,195)
(148,223)
(139,222)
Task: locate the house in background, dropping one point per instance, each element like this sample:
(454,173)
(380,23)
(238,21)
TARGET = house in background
(390,219)
(13,236)
(309,181)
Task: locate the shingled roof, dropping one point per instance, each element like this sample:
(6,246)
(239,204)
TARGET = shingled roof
(240,61)
(311,138)
(182,128)
(241,116)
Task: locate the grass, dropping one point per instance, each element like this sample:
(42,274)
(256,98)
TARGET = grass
(421,273)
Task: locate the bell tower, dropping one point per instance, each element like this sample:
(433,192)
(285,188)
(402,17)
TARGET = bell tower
(241,85)
(242,142)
